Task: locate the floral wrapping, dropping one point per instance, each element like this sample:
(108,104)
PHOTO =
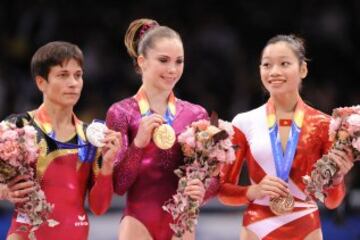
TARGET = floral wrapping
(18,154)
(344,131)
(205,145)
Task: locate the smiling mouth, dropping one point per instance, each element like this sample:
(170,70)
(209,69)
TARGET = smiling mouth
(276,81)
(169,79)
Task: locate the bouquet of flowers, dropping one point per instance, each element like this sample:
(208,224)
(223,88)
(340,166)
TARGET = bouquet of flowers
(344,131)
(18,154)
(205,146)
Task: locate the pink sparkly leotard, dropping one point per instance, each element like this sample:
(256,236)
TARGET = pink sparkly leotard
(147,175)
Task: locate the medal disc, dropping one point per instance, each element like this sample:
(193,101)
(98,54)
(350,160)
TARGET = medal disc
(95,133)
(164,136)
(282,205)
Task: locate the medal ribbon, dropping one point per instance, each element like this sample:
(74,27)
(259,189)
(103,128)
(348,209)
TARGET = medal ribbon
(145,110)
(86,151)
(283,161)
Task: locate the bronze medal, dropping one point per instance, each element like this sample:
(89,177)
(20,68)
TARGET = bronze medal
(282,205)
(164,136)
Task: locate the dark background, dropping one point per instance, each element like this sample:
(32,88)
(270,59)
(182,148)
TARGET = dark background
(222,41)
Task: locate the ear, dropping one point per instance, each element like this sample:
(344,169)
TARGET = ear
(303,70)
(41,83)
(141,62)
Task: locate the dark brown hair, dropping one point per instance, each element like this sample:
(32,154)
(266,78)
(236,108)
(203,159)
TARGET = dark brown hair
(297,44)
(52,54)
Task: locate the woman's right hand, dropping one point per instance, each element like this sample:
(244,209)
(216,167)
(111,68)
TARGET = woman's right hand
(146,128)
(18,189)
(269,186)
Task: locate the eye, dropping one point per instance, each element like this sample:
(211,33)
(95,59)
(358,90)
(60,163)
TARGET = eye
(163,60)
(62,75)
(285,64)
(78,75)
(180,61)
(265,65)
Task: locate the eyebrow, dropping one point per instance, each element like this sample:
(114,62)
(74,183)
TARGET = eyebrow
(167,56)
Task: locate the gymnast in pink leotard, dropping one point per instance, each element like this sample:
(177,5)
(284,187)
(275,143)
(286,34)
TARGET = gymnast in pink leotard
(142,170)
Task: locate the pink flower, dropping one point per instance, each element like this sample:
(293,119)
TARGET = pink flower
(219,154)
(10,135)
(334,126)
(230,155)
(227,126)
(226,144)
(202,125)
(187,150)
(187,137)
(10,150)
(356,143)
(30,132)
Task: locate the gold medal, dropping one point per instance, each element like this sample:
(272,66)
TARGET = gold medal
(164,136)
(282,205)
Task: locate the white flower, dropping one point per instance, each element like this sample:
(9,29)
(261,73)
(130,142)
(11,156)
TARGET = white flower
(354,123)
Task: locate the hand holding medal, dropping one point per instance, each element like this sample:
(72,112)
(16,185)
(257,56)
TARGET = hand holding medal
(95,133)
(283,159)
(281,201)
(164,136)
(154,126)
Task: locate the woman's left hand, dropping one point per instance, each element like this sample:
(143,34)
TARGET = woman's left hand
(112,142)
(196,190)
(344,160)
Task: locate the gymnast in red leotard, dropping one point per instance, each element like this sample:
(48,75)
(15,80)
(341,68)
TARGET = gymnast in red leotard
(68,167)
(281,141)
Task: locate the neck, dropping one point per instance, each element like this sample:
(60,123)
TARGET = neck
(285,103)
(58,115)
(158,99)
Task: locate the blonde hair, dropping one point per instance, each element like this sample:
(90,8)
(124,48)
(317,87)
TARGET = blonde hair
(141,35)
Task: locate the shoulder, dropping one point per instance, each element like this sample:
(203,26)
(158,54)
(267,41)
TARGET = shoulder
(245,119)
(121,113)
(315,116)
(193,108)
(124,108)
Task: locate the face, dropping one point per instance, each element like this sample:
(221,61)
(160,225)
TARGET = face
(163,64)
(64,84)
(280,69)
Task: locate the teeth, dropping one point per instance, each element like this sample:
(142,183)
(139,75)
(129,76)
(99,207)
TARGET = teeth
(276,81)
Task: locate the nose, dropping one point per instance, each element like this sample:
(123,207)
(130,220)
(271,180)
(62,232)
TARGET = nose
(172,68)
(274,70)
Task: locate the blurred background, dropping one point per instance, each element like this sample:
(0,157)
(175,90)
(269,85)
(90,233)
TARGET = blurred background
(222,41)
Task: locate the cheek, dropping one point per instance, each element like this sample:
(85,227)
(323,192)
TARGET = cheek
(263,77)
(81,84)
(181,69)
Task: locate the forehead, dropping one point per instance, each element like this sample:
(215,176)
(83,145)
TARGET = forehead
(278,50)
(168,46)
(67,65)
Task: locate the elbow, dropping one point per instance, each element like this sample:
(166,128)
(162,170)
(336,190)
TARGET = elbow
(222,197)
(120,191)
(332,204)
(99,211)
